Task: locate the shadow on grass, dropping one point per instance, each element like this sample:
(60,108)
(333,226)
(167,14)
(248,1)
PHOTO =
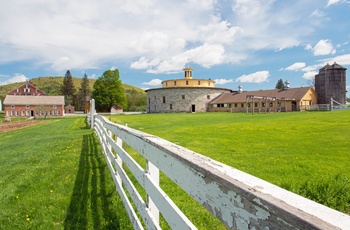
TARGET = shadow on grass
(91,206)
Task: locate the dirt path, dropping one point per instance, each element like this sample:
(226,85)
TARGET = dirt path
(9,126)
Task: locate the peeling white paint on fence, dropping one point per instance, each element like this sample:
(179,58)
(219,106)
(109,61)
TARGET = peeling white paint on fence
(237,199)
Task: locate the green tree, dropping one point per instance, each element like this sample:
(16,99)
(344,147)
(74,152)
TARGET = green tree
(68,89)
(108,91)
(280,84)
(84,91)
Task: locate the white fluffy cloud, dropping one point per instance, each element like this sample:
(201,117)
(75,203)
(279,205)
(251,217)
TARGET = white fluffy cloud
(153,82)
(341,59)
(311,71)
(158,36)
(318,13)
(144,63)
(310,75)
(332,2)
(222,81)
(296,66)
(323,47)
(14,79)
(257,77)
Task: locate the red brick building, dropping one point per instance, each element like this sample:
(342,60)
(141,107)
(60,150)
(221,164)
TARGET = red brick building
(69,109)
(28,89)
(33,106)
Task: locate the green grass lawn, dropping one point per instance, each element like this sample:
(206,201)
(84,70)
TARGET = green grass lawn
(53,176)
(307,153)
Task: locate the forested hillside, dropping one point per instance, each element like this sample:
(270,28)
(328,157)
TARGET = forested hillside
(51,85)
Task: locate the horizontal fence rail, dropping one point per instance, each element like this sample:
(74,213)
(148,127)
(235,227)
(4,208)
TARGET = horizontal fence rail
(237,199)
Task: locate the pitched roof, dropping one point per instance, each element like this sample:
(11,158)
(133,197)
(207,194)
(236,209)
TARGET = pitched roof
(289,94)
(33,100)
(28,83)
(334,66)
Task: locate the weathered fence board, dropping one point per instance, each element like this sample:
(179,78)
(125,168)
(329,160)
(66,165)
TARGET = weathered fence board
(237,199)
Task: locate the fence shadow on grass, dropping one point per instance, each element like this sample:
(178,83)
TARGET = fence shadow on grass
(91,206)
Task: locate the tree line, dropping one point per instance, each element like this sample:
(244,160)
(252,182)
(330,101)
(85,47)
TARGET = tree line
(74,97)
(108,92)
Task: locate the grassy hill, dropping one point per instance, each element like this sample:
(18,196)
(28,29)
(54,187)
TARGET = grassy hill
(51,85)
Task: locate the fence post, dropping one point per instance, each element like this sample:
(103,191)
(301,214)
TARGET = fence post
(92,112)
(331,104)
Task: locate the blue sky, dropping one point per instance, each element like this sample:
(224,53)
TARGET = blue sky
(251,43)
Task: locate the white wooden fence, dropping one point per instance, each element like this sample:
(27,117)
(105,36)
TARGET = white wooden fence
(237,199)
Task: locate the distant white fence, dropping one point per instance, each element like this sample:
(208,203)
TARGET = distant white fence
(334,105)
(237,199)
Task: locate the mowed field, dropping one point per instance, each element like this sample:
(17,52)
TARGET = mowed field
(304,152)
(53,175)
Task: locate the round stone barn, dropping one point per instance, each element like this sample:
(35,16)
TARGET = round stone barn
(183,95)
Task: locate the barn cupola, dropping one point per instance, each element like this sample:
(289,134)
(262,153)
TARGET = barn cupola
(286,85)
(240,90)
(188,73)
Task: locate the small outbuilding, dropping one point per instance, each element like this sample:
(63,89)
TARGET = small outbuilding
(116,109)
(69,109)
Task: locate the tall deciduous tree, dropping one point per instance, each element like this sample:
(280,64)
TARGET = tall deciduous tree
(108,91)
(280,84)
(67,88)
(84,91)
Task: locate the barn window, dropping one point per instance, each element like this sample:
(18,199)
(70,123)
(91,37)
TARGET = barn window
(236,105)
(242,105)
(17,113)
(171,106)
(174,83)
(163,99)
(256,104)
(12,106)
(208,96)
(186,82)
(23,114)
(54,106)
(183,96)
(199,82)
(27,106)
(58,112)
